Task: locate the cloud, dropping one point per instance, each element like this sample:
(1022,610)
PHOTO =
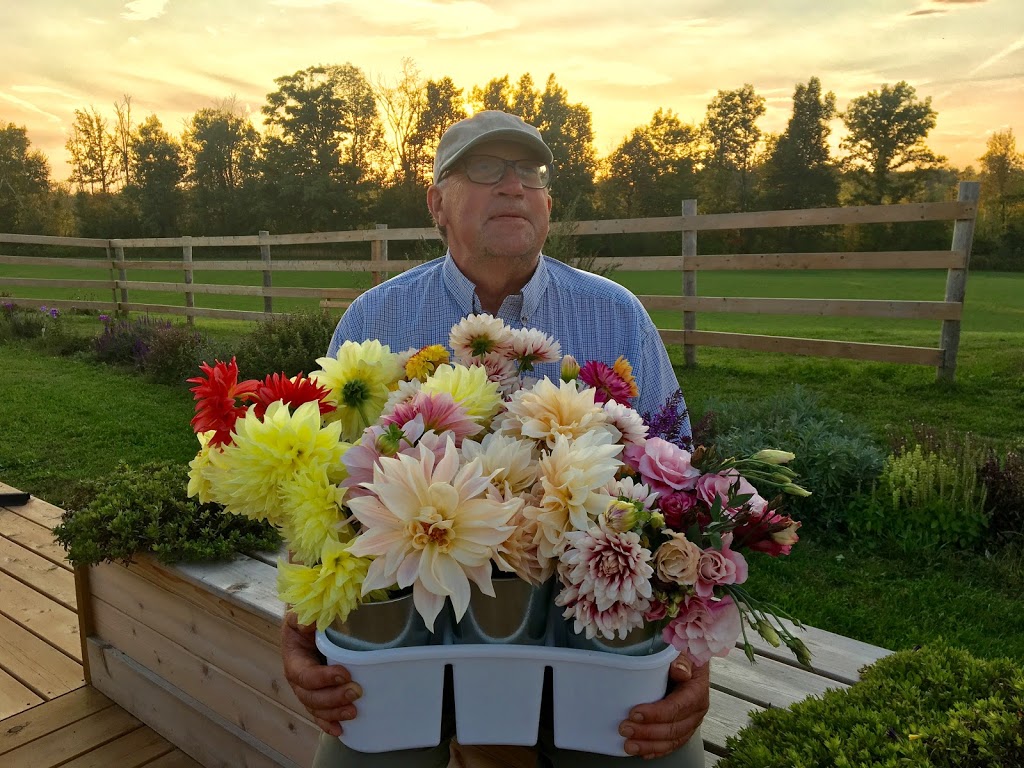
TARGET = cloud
(144,10)
(47,90)
(443,20)
(29,106)
(997,57)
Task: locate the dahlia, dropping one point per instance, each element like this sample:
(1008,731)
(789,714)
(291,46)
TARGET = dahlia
(530,347)
(359,380)
(606,383)
(478,335)
(329,591)
(469,387)
(548,411)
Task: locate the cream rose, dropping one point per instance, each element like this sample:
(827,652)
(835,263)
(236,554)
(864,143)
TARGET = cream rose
(677,559)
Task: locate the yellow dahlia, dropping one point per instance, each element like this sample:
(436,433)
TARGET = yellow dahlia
(200,469)
(266,454)
(469,387)
(313,514)
(425,362)
(359,379)
(623,367)
(323,593)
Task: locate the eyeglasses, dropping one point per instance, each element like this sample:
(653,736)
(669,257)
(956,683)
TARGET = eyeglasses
(488,169)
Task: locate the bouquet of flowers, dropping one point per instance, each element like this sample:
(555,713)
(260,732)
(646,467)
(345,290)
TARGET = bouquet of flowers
(435,468)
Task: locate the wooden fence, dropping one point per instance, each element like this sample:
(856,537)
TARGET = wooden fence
(949,311)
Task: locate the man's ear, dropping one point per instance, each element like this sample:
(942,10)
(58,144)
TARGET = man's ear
(435,199)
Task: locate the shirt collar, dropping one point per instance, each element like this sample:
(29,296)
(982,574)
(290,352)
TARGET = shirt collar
(463,292)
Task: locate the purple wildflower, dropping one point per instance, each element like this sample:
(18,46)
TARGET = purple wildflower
(668,422)
(54,312)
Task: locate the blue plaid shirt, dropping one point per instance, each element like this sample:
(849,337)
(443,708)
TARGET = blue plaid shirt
(592,317)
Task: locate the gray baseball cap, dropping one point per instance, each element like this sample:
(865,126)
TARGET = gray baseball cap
(489,125)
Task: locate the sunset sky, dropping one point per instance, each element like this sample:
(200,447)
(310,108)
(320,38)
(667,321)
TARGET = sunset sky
(623,60)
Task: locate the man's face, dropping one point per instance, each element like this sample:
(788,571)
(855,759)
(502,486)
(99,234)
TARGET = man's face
(505,220)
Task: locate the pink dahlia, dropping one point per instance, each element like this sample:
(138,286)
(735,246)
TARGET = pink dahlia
(439,412)
(608,581)
(608,384)
(704,628)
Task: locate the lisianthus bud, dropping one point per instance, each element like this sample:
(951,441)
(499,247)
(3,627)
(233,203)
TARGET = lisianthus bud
(767,631)
(622,515)
(570,368)
(389,441)
(657,520)
(769,456)
(795,490)
(787,537)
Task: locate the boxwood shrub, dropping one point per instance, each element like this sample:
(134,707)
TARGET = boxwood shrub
(932,707)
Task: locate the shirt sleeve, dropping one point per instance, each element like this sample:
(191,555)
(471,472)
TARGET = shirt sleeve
(659,381)
(349,328)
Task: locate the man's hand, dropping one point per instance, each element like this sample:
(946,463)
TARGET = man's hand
(326,692)
(657,729)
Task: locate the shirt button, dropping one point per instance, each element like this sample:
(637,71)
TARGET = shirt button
(525,318)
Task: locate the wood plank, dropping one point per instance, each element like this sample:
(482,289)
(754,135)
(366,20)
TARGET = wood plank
(38,572)
(250,659)
(834,260)
(248,583)
(281,729)
(36,664)
(72,740)
(768,683)
(83,242)
(193,727)
(786,345)
(174,759)
(31,535)
(14,698)
(50,282)
(834,656)
(46,718)
(38,511)
(227,314)
(48,620)
(726,716)
(264,627)
(913,310)
(239,290)
(640,263)
(132,750)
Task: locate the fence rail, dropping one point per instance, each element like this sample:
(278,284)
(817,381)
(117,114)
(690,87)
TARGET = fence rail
(949,311)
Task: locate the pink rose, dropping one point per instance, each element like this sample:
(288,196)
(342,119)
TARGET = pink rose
(663,466)
(674,507)
(656,612)
(704,628)
(711,486)
(720,567)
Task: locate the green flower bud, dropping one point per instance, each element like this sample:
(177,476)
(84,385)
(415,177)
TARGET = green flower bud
(795,490)
(570,368)
(769,456)
(767,631)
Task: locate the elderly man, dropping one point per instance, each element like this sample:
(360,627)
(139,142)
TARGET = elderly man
(491,205)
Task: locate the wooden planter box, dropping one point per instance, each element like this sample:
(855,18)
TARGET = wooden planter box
(194,652)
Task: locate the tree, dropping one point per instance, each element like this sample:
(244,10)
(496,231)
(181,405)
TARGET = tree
(123,137)
(93,150)
(443,108)
(886,142)
(1002,173)
(24,180)
(159,172)
(799,170)
(652,170)
(732,137)
(221,149)
(401,106)
(323,132)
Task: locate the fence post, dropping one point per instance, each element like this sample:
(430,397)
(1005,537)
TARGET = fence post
(122,276)
(689,284)
(190,298)
(268,274)
(956,280)
(378,253)
(113,282)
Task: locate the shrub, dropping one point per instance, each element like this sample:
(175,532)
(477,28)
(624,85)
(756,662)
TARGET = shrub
(836,458)
(126,342)
(58,339)
(936,707)
(173,353)
(289,344)
(928,495)
(146,509)
(20,323)
(1004,481)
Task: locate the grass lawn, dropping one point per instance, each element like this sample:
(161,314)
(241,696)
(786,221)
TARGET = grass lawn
(64,420)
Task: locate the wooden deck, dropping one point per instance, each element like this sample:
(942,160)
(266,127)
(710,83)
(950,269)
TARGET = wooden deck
(191,650)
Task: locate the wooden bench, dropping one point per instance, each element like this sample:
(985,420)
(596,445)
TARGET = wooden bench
(193,651)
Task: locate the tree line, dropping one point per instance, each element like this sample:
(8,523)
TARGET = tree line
(338,151)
